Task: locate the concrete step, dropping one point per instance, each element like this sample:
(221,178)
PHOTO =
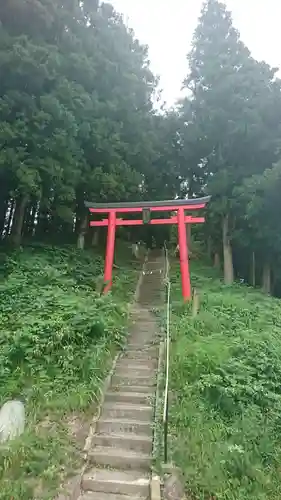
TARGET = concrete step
(142,367)
(138,362)
(145,343)
(122,426)
(135,381)
(141,355)
(109,496)
(143,326)
(141,398)
(142,334)
(127,441)
(141,314)
(139,359)
(127,411)
(150,349)
(133,388)
(146,347)
(119,458)
(145,332)
(140,346)
(117,482)
(133,372)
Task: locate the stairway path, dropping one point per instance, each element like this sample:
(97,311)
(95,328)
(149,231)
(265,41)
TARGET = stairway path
(120,456)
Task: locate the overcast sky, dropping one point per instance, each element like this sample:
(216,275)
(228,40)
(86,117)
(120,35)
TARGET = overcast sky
(166,26)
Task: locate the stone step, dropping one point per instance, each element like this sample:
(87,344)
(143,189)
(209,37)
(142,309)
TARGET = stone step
(143,332)
(122,426)
(142,324)
(142,365)
(117,482)
(151,349)
(152,301)
(119,458)
(109,496)
(140,340)
(141,398)
(150,352)
(138,389)
(118,380)
(127,411)
(139,362)
(127,441)
(142,355)
(133,372)
(145,343)
(145,346)
(141,314)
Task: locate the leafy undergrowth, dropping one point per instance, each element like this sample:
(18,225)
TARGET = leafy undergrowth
(226,381)
(58,336)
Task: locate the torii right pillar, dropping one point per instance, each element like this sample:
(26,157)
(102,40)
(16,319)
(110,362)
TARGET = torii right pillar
(183,251)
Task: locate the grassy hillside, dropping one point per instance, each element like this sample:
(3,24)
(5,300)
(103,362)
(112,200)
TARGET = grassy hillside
(226,382)
(57,340)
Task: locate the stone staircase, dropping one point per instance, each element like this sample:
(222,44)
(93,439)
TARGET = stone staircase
(120,458)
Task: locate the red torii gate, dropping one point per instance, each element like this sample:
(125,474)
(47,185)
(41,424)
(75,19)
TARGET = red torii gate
(145,207)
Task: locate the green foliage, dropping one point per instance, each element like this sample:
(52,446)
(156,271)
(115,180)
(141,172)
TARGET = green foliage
(230,134)
(225,415)
(57,339)
(76,113)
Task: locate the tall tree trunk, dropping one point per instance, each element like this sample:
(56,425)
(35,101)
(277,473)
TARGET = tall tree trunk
(95,237)
(217,260)
(3,213)
(18,220)
(82,232)
(209,247)
(43,216)
(29,222)
(188,236)
(253,269)
(266,277)
(227,252)
(10,218)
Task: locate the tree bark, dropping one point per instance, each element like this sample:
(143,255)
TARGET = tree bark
(188,236)
(217,260)
(10,218)
(195,303)
(42,226)
(18,220)
(266,277)
(3,214)
(209,247)
(82,233)
(253,269)
(95,237)
(227,252)
(29,223)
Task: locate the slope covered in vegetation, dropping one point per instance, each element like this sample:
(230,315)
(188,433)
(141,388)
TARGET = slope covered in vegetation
(58,336)
(226,373)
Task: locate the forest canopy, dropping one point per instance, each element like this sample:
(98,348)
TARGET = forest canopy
(78,122)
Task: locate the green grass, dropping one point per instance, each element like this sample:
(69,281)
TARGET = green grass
(225,415)
(57,340)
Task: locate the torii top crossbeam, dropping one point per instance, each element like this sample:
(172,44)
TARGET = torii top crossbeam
(179,206)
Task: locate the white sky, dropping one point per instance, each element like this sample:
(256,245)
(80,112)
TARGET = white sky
(167,26)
